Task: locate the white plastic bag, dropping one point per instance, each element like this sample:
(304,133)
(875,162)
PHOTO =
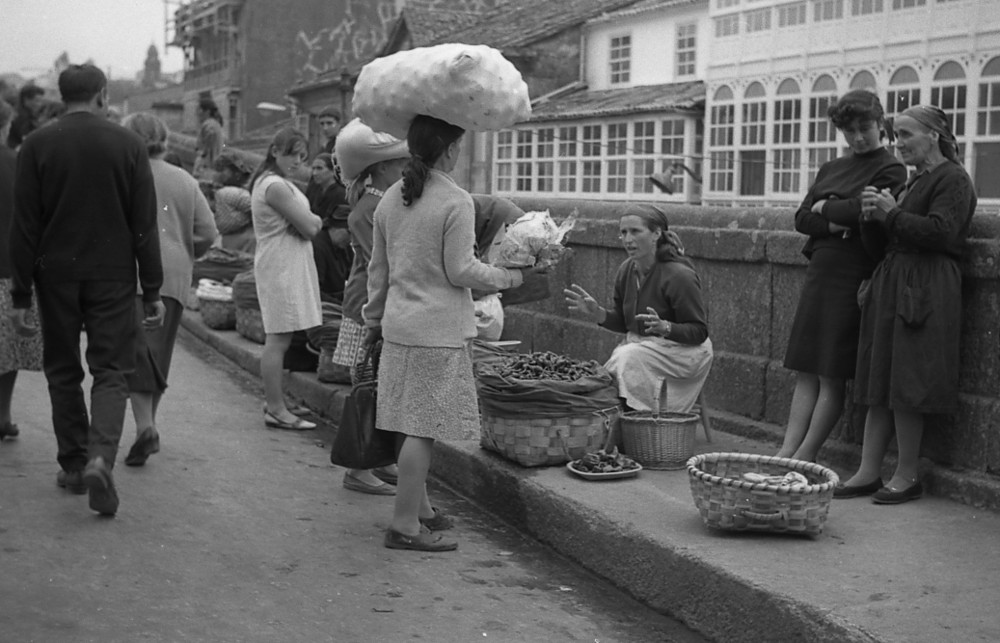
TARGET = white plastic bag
(533,237)
(489,317)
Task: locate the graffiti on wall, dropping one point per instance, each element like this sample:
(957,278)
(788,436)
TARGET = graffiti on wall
(358,36)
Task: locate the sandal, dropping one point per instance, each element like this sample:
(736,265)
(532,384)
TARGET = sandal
(420,542)
(298,425)
(385,476)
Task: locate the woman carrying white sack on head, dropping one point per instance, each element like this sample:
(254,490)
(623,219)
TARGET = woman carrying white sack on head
(658,304)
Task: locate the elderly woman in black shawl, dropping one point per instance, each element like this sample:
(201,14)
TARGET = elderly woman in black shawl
(908,356)
(658,304)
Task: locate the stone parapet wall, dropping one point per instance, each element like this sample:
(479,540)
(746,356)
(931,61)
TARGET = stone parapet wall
(752,269)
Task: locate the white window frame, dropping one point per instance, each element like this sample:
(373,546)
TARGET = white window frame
(620,59)
(686,55)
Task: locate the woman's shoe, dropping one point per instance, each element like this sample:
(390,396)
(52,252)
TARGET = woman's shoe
(853,491)
(298,425)
(380,489)
(439,522)
(886,496)
(9,430)
(146,444)
(385,476)
(420,542)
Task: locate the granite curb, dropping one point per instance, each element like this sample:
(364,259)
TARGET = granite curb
(645,536)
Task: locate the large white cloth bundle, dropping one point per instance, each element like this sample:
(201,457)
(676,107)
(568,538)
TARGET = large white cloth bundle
(471,86)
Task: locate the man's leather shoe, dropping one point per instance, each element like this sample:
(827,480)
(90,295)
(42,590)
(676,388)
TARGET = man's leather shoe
(853,491)
(71,481)
(886,496)
(100,483)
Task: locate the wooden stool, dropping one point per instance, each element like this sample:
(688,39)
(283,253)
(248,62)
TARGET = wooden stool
(706,423)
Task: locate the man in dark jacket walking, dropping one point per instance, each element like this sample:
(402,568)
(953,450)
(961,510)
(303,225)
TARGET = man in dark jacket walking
(84,219)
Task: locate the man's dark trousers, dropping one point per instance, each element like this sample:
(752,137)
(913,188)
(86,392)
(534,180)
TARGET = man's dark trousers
(106,310)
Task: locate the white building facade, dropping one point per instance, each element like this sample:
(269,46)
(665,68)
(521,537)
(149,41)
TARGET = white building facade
(776,65)
(638,111)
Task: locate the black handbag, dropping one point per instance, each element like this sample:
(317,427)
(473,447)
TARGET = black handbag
(358,444)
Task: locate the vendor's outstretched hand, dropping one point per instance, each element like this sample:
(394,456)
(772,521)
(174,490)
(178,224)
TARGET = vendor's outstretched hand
(579,300)
(372,335)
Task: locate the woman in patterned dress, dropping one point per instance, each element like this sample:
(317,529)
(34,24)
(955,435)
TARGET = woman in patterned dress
(422,268)
(17,353)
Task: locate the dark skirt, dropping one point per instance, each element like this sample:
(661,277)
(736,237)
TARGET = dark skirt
(824,337)
(908,358)
(154,349)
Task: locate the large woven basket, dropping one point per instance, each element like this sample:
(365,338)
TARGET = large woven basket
(537,442)
(727,501)
(659,441)
(249,324)
(220,315)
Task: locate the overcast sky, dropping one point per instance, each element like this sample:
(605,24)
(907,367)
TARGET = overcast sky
(114,33)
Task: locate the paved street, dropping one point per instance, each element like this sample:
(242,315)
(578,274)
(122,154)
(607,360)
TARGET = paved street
(238,533)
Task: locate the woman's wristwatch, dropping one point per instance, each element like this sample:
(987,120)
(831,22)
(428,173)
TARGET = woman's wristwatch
(667,331)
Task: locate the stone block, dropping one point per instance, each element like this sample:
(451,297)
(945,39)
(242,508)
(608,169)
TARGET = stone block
(738,296)
(980,347)
(786,248)
(550,334)
(786,288)
(780,383)
(519,324)
(727,245)
(967,439)
(736,384)
(982,259)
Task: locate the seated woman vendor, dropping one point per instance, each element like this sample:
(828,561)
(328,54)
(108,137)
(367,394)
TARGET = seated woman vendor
(658,304)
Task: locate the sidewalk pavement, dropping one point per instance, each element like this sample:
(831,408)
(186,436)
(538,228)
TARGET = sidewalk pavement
(923,571)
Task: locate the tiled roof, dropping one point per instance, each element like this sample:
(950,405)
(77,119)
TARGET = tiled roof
(517,23)
(432,25)
(688,96)
(643,6)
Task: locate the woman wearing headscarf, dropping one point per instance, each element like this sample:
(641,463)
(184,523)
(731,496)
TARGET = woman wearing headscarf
(370,162)
(908,357)
(658,305)
(231,199)
(211,137)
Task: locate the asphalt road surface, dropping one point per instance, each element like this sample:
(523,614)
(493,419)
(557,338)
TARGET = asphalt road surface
(234,532)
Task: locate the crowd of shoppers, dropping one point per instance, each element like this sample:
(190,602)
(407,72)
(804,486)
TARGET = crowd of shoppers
(383,247)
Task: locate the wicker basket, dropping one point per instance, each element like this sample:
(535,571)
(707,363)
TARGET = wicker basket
(220,315)
(727,501)
(249,324)
(659,441)
(537,442)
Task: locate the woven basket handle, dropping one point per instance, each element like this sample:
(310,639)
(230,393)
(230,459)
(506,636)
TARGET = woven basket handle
(762,517)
